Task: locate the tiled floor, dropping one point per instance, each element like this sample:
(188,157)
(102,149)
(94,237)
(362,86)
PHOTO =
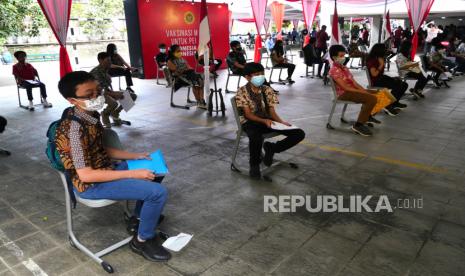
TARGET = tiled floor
(419,154)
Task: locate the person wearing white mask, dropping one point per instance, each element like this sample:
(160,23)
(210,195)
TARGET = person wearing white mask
(162,57)
(90,167)
(348,89)
(256,104)
(112,108)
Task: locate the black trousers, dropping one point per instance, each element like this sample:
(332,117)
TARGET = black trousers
(29,86)
(255,133)
(421,80)
(119,72)
(290,68)
(397,86)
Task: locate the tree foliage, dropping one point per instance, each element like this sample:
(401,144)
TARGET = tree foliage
(20,17)
(99,15)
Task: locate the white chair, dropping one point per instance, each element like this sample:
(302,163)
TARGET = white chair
(161,69)
(69,222)
(336,101)
(190,102)
(20,87)
(239,134)
(231,74)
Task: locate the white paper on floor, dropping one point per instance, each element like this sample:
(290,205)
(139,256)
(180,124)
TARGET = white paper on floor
(178,242)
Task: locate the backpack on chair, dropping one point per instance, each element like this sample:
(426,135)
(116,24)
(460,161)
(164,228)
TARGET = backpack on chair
(54,156)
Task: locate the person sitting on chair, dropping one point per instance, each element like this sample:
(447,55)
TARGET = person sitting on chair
(113,108)
(119,67)
(186,75)
(236,59)
(375,65)
(256,103)
(88,163)
(410,69)
(436,64)
(348,89)
(26,75)
(162,57)
(354,51)
(279,61)
(311,57)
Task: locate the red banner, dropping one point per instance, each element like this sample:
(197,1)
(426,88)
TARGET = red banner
(164,21)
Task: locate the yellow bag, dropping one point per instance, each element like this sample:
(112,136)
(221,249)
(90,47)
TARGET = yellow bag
(384,98)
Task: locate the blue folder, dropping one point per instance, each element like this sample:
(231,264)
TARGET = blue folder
(157,164)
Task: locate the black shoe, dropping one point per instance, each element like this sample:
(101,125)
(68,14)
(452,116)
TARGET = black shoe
(130,89)
(399,105)
(362,130)
(391,111)
(151,249)
(268,159)
(275,91)
(254,172)
(133,224)
(290,81)
(372,119)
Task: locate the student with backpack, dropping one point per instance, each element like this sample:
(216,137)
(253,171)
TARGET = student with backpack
(89,167)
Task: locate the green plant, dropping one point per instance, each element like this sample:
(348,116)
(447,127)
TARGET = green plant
(20,17)
(99,14)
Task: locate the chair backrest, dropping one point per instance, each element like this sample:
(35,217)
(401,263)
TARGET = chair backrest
(236,112)
(424,62)
(333,87)
(367,71)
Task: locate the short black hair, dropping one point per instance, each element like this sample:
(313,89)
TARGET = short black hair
(102,55)
(18,53)
(234,44)
(111,48)
(335,50)
(252,68)
(67,85)
(405,48)
(162,45)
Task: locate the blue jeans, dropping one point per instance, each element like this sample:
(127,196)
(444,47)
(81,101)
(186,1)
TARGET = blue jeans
(150,196)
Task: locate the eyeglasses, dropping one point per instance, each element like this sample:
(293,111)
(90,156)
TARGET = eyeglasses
(95,94)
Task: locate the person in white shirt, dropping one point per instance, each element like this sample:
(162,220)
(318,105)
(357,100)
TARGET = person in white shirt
(432,32)
(410,69)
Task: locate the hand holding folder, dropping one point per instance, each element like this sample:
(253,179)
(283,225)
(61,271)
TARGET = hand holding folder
(157,165)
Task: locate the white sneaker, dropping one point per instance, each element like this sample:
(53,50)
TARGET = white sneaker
(202,105)
(30,106)
(46,104)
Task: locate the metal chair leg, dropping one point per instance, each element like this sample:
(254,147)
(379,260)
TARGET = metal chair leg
(234,166)
(328,125)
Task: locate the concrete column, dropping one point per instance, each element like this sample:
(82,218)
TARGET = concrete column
(376,27)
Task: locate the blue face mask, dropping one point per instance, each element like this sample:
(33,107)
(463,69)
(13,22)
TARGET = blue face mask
(258,81)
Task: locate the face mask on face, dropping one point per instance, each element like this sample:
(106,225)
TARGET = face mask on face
(116,51)
(340,60)
(162,50)
(94,104)
(178,54)
(258,81)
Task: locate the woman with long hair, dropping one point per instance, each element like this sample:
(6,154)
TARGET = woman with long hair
(410,69)
(375,65)
(119,67)
(186,75)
